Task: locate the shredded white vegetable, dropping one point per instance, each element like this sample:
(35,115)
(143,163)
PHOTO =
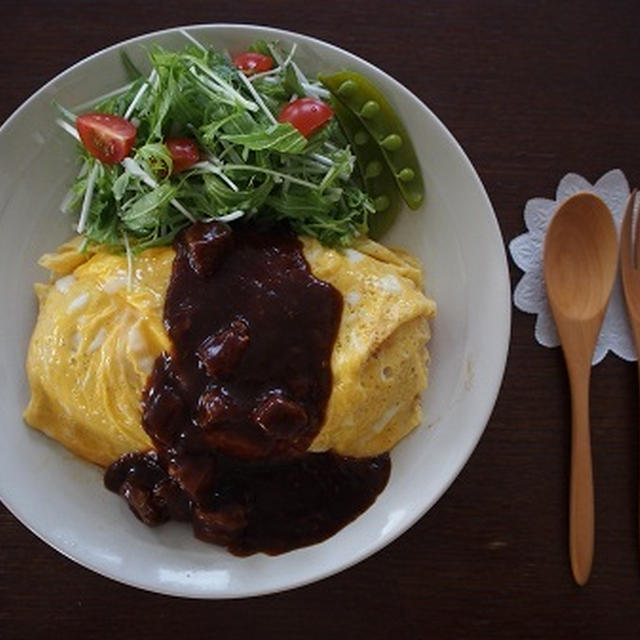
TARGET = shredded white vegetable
(79,108)
(276,69)
(127,247)
(256,97)
(218,84)
(212,168)
(188,36)
(134,103)
(88,196)
(136,170)
(229,217)
(70,129)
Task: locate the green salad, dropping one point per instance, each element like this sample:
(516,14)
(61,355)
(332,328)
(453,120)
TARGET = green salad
(205,136)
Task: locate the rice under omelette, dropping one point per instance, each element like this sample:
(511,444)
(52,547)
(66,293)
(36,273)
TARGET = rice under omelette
(100,329)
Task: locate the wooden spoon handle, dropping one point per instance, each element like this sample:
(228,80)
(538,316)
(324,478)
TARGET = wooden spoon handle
(581,518)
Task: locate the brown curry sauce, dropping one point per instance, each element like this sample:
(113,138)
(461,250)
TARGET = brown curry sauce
(233,407)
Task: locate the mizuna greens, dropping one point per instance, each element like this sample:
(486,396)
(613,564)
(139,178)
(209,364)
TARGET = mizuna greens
(251,166)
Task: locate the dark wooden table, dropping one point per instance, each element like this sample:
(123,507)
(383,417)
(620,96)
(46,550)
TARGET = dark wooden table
(531,90)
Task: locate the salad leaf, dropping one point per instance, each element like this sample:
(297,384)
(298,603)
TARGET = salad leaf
(279,137)
(227,200)
(146,213)
(291,82)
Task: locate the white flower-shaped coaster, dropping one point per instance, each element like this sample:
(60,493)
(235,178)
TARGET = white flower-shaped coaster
(526,250)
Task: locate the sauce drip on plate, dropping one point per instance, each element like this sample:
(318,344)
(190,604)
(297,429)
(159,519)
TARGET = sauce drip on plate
(234,406)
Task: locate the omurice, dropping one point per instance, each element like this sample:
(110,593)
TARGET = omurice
(250,382)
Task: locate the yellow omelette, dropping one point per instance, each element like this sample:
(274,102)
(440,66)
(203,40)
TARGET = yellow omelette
(100,328)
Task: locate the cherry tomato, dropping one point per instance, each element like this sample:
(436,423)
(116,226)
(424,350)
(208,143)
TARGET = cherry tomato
(306,114)
(250,62)
(106,137)
(184,153)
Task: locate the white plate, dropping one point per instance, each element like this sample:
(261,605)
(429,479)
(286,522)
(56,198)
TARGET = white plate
(61,499)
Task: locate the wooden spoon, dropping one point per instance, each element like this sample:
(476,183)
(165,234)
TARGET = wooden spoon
(580,262)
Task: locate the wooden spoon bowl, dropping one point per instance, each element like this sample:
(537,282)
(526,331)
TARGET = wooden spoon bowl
(581,252)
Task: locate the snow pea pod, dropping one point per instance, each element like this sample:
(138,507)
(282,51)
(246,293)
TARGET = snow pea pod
(377,116)
(376,175)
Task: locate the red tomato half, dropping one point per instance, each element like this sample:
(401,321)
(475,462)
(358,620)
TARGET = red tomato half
(106,137)
(184,153)
(306,114)
(250,62)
